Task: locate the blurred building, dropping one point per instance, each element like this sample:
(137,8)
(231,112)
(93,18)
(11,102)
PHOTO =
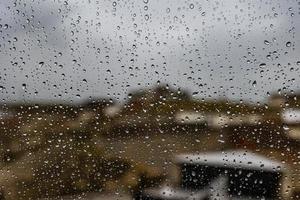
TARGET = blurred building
(289,108)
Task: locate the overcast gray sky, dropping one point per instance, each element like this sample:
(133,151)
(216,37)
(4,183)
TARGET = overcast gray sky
(70,50)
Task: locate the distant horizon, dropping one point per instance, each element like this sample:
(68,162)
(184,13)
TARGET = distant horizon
(78,101)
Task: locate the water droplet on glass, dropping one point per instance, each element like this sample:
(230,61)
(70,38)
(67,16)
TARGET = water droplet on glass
(266,42)
(24,86)
(286,128)
(262,65)
(195,93)
(41,64)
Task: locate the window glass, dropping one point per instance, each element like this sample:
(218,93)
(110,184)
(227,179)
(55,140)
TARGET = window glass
(149,99)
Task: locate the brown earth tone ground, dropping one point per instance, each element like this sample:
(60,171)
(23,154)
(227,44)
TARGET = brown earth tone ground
(94,196)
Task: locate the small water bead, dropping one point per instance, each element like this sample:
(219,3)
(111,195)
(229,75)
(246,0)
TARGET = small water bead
(266,42)
(41,64)
(24,86)
(262,65)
